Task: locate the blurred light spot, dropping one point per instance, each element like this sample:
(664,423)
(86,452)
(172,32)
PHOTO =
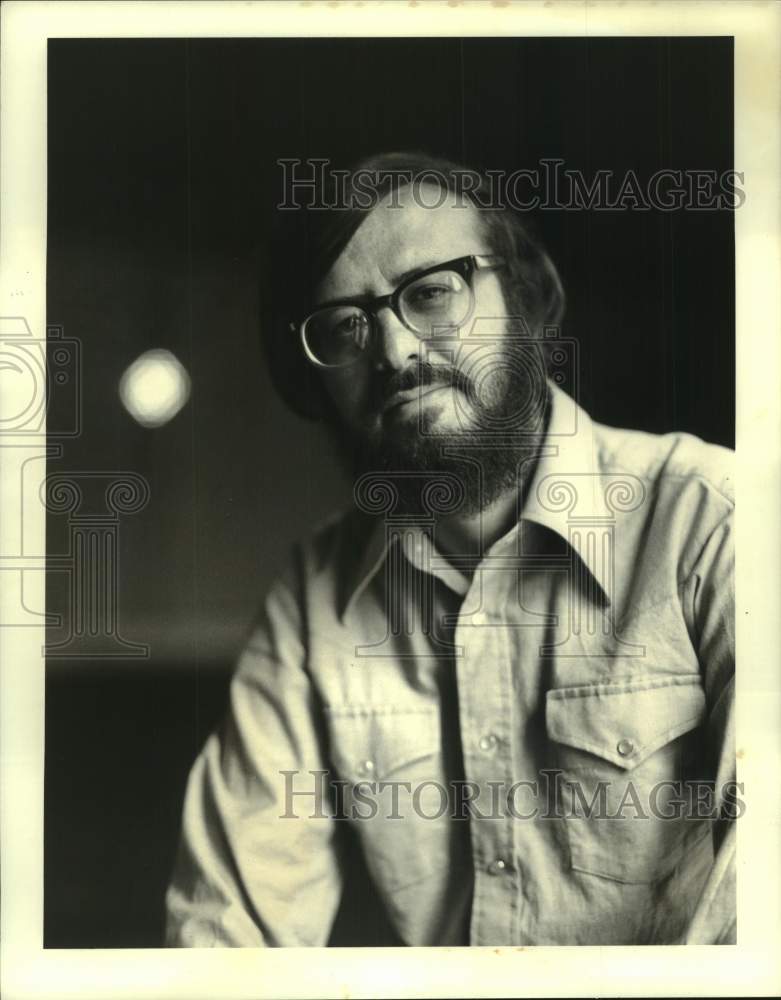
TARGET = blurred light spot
(154,388)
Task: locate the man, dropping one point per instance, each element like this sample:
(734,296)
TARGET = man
(507,669)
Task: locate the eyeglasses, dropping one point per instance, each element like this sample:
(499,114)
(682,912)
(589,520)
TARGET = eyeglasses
(427,303)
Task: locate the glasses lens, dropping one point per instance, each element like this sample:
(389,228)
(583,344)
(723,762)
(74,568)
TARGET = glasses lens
(436,301)
(337,336)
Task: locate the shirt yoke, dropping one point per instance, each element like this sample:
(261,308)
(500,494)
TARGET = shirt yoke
(666,458)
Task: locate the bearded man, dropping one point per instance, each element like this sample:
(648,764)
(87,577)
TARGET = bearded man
(507,673)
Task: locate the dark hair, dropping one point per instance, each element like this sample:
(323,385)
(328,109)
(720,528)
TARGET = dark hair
(315,238)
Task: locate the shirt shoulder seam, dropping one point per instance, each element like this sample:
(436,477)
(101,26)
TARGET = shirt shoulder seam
(666,469)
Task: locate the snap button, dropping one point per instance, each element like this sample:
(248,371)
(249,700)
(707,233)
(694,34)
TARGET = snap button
(497,867)
(366,767)
(625,747)
(488,742)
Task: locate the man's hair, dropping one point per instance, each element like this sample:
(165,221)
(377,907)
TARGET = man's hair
(300,258)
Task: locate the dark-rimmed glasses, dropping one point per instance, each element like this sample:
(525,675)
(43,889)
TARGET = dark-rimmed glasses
(429,302)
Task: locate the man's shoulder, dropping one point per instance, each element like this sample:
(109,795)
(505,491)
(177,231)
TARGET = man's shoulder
(335,546)
(672,463)
(315,576)
(337,534)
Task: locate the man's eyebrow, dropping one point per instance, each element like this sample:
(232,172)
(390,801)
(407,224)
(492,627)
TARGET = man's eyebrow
(423,265)
(397,279)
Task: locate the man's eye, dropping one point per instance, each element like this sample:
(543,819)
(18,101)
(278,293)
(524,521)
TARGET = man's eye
(348,327)
(431,294)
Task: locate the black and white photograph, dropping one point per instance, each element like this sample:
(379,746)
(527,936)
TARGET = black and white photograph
(372,453)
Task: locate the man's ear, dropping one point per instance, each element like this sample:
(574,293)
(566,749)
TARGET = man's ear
(554,299)
(296,381)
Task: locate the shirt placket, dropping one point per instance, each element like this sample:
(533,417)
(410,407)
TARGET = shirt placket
(484,678)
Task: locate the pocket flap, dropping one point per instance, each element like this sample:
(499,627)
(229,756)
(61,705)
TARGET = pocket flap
(625,722)
(370,742)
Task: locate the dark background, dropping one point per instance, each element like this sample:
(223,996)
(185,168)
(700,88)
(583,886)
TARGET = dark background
(162,173)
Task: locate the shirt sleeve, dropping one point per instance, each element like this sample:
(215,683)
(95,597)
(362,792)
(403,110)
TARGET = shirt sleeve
(258,866)
(714,918)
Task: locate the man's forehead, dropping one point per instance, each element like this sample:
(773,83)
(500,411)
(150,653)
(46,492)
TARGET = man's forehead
(408,230)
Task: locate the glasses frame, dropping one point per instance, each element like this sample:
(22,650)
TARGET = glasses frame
(465,266)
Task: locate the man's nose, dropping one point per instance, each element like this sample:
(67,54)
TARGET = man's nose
(394,345)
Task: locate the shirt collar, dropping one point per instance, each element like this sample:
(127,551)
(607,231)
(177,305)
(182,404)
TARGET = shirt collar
(567,492)
(565,477)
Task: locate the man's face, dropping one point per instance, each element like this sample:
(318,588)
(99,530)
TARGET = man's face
(385,397)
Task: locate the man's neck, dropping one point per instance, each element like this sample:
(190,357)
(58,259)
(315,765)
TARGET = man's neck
(474,534)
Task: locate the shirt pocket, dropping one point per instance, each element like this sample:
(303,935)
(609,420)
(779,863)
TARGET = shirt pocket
(381,742)
(402,826)
(624,750)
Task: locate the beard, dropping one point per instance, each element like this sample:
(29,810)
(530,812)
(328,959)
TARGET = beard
(502,405)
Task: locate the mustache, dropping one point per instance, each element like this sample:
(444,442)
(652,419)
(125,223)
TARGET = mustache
(387,384)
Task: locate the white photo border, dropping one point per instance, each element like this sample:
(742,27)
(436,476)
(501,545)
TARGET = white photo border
(750,968)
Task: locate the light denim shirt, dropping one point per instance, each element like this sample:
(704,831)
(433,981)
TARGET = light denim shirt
(508,743)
